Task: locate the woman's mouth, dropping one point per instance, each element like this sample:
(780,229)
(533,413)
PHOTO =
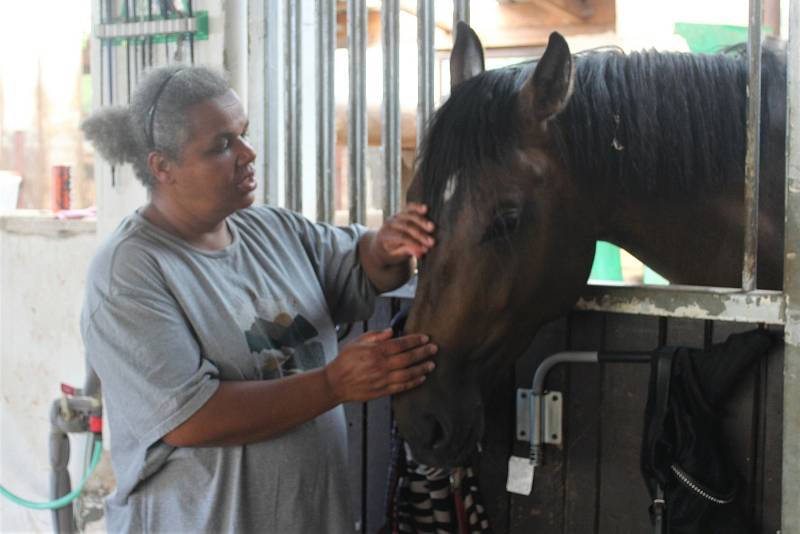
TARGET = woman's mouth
(247,183)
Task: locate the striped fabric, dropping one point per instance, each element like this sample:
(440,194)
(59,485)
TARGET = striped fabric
(432,500)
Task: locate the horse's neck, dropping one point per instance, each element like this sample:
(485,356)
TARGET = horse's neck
(693,239)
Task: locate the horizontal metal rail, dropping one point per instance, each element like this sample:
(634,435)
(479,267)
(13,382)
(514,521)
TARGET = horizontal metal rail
(689,302)
(714,303)
(146,28)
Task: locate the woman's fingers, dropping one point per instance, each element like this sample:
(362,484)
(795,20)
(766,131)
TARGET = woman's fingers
(374,336)
(394,389)
(410,357)
(403,343)
(409,374)
(408,233)
(415,227)
(376,364)
(407,367)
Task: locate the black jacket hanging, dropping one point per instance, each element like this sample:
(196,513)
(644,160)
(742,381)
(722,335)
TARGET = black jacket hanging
(684,455)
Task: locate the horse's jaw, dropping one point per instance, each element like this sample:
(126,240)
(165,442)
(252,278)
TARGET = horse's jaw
(448,457)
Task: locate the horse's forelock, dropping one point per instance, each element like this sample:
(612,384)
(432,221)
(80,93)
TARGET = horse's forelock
(476,127)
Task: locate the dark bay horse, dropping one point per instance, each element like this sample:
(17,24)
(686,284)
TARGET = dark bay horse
(525,167)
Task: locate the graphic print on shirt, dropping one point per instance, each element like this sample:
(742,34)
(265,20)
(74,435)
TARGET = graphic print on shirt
(284,345)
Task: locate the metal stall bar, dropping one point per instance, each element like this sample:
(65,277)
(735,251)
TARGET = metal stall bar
(293,115)
(326,108)
(357,141)
(190,13)
(460,13)
(390,138)
(749,271)
(260,101)
(425,35)
(790,512)
(357,127)
(107,69)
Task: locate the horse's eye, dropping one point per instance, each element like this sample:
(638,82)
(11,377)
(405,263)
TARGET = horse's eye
(504,224)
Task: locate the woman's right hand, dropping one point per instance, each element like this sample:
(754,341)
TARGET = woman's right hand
(376,365)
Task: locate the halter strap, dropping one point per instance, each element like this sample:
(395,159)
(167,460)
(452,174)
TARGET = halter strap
(151,113)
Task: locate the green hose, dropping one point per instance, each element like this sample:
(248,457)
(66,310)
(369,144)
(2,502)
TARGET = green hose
(66,499)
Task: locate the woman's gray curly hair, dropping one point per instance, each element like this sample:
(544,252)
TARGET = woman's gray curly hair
(125,134)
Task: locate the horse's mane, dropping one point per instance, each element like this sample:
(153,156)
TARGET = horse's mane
(650,122)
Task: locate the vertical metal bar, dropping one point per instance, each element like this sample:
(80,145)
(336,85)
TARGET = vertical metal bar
(165,11)
(326,109)
(390,138)
(127,41)
(109,73)
(357,142)
(258,98)
(150,38)
(460,13)
(293,116)
(273,139)
(790,512)
(425,35)
(107,18)
(751,166)
(190,13)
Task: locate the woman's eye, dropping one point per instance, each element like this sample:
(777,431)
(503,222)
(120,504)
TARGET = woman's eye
(504,224)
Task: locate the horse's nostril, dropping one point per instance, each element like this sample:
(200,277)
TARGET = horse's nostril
(437,437)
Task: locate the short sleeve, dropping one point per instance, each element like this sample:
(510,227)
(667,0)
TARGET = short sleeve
(152,371)
(334,252)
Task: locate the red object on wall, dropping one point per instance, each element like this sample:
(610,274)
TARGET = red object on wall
(61,187)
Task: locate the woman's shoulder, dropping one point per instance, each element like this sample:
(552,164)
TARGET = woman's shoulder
(127,257)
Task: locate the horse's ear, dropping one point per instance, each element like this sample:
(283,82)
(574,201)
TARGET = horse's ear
(466,59)
(546,91)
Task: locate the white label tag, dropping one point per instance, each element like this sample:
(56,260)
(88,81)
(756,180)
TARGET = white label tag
(520,475)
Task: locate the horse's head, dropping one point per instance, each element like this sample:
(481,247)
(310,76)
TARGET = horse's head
(514,245)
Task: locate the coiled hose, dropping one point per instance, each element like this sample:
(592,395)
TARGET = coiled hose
(66,499)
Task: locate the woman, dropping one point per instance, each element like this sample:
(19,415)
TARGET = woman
(211,326)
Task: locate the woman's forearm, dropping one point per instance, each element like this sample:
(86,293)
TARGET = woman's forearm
(243,412)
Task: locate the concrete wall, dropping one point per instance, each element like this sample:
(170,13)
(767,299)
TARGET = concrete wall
(42,273)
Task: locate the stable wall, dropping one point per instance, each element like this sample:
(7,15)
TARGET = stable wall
(43,262)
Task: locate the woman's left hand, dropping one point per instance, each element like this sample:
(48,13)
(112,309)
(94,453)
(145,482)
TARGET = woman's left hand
(405,234)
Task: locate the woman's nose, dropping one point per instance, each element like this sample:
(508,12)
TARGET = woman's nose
(247,154)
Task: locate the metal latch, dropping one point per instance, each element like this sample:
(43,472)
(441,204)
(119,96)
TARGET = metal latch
(550,419)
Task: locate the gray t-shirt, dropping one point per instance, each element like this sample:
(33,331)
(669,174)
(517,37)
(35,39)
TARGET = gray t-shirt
(164,322)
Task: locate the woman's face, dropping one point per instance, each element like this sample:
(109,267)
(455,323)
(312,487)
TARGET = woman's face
(214,175)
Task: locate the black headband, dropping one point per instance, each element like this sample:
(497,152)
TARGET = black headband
(151,113)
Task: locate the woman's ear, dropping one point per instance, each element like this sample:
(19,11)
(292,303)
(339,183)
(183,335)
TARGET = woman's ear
(159,166)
